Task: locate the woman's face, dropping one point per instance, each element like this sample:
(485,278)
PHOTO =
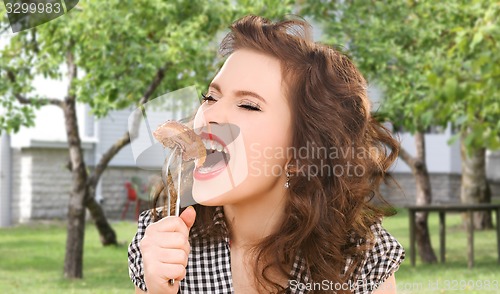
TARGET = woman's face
(247,116)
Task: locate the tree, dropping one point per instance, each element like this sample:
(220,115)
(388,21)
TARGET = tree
(390,46)
(467,86)
(114,54)
(411,49)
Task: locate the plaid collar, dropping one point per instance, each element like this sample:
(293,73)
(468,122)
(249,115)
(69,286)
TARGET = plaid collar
(220,220)
(209,265)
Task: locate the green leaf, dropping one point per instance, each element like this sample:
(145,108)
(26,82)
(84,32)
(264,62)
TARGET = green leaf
(450,88)
(478,37)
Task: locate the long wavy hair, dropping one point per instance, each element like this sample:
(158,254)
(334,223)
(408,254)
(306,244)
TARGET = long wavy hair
(327,214)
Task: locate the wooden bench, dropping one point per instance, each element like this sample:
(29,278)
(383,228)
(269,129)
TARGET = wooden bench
(442,209)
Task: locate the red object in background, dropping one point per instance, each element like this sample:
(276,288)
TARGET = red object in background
(131,197)
(131,193)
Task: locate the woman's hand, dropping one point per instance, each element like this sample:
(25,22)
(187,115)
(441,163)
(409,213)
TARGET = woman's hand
(165,249)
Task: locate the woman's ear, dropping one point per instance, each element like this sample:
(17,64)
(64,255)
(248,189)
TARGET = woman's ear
(291,166)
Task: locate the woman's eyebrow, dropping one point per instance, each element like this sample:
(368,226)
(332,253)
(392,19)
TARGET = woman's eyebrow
(239,92)
(215,86)
(249,93)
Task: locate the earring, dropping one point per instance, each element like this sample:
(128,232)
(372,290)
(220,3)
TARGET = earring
(287,183)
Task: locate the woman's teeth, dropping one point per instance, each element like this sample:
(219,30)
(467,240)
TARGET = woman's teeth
(214,160)
(213,145)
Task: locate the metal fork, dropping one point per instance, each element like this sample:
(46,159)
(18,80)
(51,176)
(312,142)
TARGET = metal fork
(165,170)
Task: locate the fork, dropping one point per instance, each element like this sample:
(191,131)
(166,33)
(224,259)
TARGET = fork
(165,170)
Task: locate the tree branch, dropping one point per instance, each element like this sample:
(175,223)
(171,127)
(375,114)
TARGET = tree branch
(407,157)
(72,71)
(160,75)
(415,162)
(420,145)
(125,139)
(24,100)
(44,101)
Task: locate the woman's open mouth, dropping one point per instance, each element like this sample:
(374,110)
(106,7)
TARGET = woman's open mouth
(216,160)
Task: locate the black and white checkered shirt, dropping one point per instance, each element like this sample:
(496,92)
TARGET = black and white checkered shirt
(209,265)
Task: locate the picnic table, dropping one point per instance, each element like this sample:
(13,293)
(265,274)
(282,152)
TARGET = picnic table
(442,209)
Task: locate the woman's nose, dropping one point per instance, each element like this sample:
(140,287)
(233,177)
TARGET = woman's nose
(215,113)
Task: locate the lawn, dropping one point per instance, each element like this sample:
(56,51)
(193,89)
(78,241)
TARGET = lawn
(31,261)
(453,276)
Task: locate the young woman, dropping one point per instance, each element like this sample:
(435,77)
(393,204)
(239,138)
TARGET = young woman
(287,201)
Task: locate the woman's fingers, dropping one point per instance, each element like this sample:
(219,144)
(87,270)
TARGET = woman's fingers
(181,224)
(188,216)
(174,256)
(169,224)
(167,271)
(158,276)
(165,250)
(164,240)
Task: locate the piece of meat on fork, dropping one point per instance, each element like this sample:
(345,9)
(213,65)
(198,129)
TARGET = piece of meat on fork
(185,143)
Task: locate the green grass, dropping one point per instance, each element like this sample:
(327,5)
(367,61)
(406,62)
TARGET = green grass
(423,277)
(31,260)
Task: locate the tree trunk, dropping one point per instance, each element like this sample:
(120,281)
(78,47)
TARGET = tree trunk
(423,197)
(73,261)
(474,187)
(106,232)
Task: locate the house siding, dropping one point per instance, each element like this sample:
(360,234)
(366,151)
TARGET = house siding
(42,185)
(110,129)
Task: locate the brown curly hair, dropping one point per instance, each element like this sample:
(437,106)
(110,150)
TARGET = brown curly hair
(327,217)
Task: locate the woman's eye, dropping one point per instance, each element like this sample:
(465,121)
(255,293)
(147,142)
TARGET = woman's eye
(208,98)
(247,105)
